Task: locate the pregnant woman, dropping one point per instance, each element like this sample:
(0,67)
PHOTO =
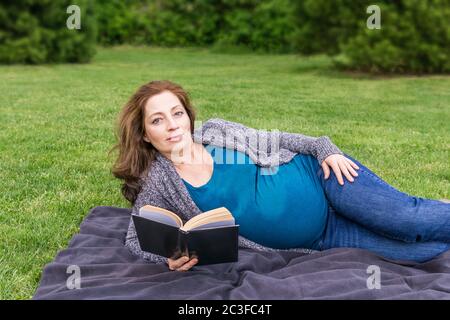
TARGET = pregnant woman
(285,190)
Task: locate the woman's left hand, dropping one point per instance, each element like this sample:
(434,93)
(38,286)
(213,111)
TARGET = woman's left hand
(340,164)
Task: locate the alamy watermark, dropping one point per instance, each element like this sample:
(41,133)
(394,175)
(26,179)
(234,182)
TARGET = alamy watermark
(261,145)
(374,280)
(374,20)
(74,20)
(73,281)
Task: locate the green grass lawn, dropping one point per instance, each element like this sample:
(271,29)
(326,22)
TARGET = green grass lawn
(57,126)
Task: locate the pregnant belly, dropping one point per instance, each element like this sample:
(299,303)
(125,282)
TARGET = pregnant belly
(292,224)
(289,209)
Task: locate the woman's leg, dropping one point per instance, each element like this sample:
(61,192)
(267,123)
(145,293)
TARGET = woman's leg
(342,232)
(381,208)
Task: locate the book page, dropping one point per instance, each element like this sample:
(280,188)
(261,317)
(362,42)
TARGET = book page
(160,215)
(211,225)
(209,213)
(211,216)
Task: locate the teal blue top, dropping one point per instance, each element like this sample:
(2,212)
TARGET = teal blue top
(285,209)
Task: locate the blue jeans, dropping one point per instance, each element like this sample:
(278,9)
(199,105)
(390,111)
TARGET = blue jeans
(371,214)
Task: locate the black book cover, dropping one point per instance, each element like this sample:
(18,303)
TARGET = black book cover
(210,246)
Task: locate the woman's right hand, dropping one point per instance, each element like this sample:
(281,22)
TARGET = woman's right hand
(182,264)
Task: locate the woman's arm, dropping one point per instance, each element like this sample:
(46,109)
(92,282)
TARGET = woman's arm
(146,196)
(150,196)
(132,243)
(320,147)
(328,155)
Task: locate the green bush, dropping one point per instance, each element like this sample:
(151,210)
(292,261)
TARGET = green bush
(414,35)
(322,24)
(266,26)
(153,22)
(254,24)
(35,31)
(414,38)
(179,22)
(115,20)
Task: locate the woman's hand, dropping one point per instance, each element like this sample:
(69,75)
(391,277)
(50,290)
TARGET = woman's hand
(340,164)
(182,264)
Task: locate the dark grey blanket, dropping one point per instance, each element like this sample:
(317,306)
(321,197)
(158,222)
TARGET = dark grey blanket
(107,270)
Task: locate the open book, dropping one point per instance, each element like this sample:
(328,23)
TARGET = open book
(211,236)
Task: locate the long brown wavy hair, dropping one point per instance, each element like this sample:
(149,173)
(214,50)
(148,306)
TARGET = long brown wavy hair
(135,154)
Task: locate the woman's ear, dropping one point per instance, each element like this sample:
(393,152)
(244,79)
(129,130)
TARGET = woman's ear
(145,139)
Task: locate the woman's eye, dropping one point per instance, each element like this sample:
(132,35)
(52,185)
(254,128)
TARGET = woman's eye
(156,121)
(179,113)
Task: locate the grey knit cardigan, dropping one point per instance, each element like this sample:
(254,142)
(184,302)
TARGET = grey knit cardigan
(163,187)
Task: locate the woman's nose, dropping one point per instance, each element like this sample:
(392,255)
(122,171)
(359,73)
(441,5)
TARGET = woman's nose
(172,124)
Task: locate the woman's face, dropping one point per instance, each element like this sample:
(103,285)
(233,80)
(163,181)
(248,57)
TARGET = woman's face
(167,124)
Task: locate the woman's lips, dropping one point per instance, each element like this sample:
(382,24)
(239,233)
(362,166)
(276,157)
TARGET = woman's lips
(176,138)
